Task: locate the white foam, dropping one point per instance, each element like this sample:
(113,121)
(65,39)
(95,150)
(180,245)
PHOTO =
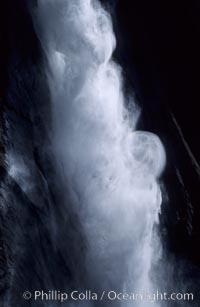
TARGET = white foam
(111,168)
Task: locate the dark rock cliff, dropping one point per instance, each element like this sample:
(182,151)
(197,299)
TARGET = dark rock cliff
(36,246)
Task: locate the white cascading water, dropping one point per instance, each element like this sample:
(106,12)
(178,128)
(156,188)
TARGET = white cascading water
(111,169)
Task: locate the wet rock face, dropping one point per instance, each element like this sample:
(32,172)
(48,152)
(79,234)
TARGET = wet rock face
(19,54)
(32,223)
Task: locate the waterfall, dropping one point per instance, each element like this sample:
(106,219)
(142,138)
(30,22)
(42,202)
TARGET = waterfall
(110,168)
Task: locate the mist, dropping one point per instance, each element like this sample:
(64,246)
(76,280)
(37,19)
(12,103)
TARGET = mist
(111,169)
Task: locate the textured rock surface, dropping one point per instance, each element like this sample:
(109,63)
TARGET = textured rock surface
(36,246)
